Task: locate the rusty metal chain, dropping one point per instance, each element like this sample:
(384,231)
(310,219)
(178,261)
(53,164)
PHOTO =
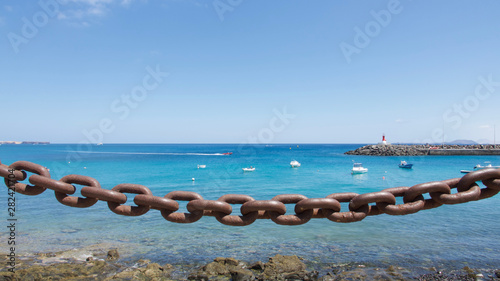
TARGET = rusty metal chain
(360,205)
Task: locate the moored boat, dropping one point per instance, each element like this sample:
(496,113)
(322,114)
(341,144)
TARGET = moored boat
(251,169)
(405,165)
(357,168)
(487,165)
(294,164)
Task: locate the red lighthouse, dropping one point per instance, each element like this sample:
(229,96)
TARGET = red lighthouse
(384,141)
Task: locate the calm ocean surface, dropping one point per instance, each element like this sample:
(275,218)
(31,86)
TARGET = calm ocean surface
(450,236)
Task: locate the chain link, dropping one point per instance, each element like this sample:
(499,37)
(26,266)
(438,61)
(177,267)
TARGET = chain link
(173,216)
(25,188)
(126,210)
(360,205)
(74,201)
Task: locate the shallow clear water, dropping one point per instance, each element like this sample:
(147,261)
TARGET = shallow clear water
(450,236)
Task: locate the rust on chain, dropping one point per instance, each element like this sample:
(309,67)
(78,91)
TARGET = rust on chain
(74,201)
(428,187)
(489,177)
(492,179)
(466,194)
(263,207)
(408,207)
(208,207)
(59,186)
(296,219)
(373,197)
(25,188)
(157,203)
(182,217)
(234,220)
(490,190)
(360,205)
(351,215)
(104,194)
(127,210)
(317,205)
(11,174)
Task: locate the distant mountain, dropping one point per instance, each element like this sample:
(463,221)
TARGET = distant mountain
(464,142)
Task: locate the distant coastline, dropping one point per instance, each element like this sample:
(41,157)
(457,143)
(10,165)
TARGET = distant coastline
(425,149)
(24,142)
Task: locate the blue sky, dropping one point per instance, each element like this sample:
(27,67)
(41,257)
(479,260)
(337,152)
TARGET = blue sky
(238,71)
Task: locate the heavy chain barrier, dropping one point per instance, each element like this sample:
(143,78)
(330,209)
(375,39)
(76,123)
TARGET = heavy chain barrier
(360,205)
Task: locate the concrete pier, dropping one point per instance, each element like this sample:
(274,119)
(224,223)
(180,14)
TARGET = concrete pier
(463,152)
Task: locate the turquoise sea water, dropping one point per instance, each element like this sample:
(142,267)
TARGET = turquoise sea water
(448,237)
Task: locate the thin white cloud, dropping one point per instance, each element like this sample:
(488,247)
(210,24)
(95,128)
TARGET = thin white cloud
(485,126)
(192,3)
(9,8)
(2,21)
(81,12)
(97,11)
(92,2)
(61,16)
(126,3)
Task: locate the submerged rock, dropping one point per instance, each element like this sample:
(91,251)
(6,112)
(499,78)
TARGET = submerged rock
(152,271)
(278,268)
(438,276)
(113,255)
(62,271)
(286,268)
(223,269)
(93,270)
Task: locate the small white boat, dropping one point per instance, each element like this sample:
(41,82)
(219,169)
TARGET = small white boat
(202,166)
(357,168)
(251,169)
(487,165)
(294,164)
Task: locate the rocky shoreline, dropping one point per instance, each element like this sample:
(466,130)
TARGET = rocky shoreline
(425,149)
(109,267)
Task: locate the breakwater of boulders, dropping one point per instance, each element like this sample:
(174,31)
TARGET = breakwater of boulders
(425,149)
